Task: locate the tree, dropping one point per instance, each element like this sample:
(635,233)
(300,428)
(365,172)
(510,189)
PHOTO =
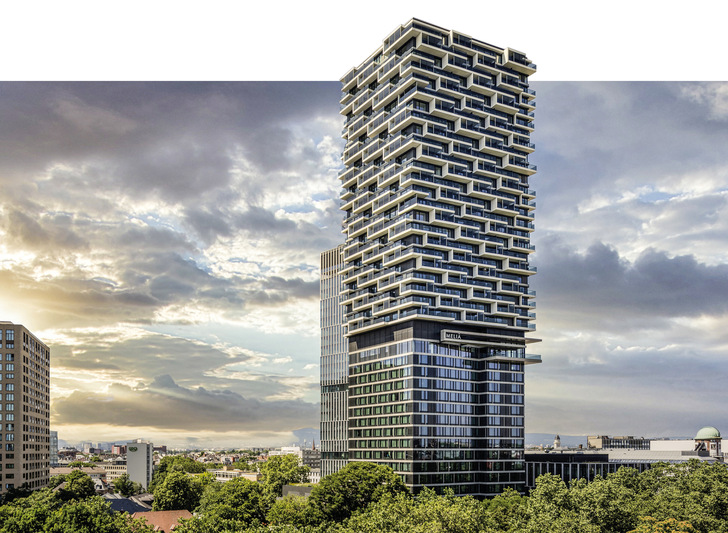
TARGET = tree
(551,509)
(694,492)
(353,488)
(78,486)
(238,499)
(282,470)
(92,516)
(290,510)
(125,486)
(652,525)
(28,515)
(45,512)
(507,511)
(174,463)
(178,491)
(17,492)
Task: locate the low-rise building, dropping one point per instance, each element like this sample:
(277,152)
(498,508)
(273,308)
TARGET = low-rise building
(114,469)
(97,475)
(127,505)
(227,473)
(605,442)
(587,464)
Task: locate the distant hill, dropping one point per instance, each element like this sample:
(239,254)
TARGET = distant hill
(306,436)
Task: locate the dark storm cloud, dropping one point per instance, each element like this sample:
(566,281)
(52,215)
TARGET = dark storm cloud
(164,404)
(173,140)
(607,289)
(53,232)
(278,290)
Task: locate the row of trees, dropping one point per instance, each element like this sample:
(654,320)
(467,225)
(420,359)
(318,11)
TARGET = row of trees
(689,497)
(68,505)
(362,498)
(174,489)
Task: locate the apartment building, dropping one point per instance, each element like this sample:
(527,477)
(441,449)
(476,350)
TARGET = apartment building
(24,407)
(434,270)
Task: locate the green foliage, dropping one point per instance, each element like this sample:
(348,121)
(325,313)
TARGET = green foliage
(125,486)
(78,464)
(56,480)
(507,511)
(426,512)
(174,463)
(78,486)
(45,512)
(282,470)
(239,499)
(652,525)
(17,492)
(290,510)
(692,496)
(694,492)
(230,507)
(178,491)
(365,498)
(351,489)
(91,516)
(245,466)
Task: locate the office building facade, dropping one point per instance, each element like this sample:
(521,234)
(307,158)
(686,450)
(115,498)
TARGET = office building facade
(140,461)
(438,213)
(25,408)
(53,448)
(334,366)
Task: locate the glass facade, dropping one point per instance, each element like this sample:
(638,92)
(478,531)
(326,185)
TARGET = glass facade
(334,366)
(438,214)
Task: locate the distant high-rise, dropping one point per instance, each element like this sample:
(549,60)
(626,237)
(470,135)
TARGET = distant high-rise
(53,448)
(24,407)
(140,461)
(438,214)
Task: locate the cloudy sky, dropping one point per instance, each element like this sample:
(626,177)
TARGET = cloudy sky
(163,238)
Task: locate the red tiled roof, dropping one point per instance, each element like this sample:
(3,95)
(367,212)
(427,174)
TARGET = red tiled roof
(163,521)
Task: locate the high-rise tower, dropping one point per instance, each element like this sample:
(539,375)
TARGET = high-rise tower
(334,366)
(438,217)
(25,408)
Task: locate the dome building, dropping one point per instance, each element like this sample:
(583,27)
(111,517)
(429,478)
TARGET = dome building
(708,439)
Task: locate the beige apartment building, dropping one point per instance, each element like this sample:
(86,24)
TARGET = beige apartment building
(24,407)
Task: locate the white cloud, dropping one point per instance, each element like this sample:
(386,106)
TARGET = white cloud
(713,95)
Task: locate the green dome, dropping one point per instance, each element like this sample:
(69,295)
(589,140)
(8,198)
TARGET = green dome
(708,432)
